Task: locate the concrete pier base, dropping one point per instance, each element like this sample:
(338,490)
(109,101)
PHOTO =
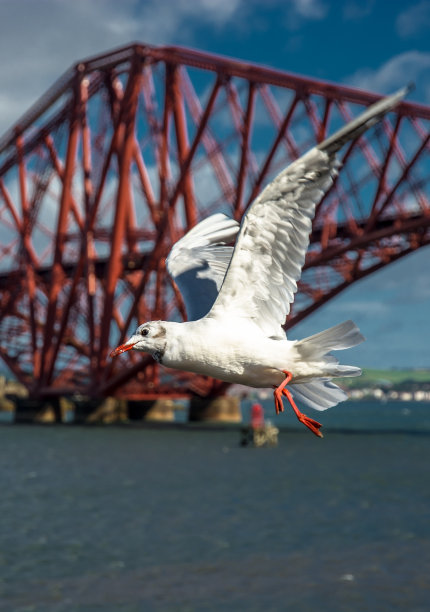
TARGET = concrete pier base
(109,410)
(161,409)
(223,409)
(55,410)
(7,405)
(35,411)
(46,415)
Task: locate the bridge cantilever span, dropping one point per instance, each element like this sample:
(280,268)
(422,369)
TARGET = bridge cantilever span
(126,151)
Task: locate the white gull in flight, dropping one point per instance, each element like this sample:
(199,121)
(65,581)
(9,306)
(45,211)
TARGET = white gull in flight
(237,298)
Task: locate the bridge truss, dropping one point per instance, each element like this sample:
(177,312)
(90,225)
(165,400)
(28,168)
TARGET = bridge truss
(130,149)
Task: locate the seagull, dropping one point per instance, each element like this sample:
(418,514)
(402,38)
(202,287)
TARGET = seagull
(237,298)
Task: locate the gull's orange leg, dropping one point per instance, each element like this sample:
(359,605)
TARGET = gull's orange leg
(313,425)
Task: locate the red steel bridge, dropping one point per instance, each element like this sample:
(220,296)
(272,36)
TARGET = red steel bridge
(128,150)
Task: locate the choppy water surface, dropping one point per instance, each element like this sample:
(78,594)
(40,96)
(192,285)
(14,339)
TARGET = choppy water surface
(139,519)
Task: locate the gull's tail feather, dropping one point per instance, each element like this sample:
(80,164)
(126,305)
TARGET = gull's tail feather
(321,393)
(342,336)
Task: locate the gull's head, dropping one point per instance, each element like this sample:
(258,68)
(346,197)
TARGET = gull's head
(148,337)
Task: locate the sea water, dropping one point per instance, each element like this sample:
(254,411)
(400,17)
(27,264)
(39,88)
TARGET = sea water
(184,518)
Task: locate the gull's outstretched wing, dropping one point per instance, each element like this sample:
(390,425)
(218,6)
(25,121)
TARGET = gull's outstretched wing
(274,235)
(199,260)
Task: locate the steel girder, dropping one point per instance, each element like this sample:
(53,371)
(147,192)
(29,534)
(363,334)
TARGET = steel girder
(130,149)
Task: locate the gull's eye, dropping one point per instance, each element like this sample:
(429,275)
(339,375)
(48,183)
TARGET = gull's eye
(144,332)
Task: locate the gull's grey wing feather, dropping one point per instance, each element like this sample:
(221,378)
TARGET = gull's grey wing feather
(274,235)
(199,260)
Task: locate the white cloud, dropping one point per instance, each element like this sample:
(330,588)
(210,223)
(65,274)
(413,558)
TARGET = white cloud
(40,40)
(354,10)
(298,11)
(396,72)
(414,20)
(310,9)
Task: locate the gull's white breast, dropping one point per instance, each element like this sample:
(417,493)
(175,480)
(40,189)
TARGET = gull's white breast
(235,351)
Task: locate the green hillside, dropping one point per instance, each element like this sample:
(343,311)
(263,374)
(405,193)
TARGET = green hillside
(376,378)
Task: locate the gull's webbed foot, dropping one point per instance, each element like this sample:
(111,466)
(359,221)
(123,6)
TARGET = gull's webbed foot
(311,424)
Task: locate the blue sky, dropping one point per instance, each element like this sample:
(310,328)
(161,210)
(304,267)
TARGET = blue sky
(375,45)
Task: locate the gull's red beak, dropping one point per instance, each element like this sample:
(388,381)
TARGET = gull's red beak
(121,349)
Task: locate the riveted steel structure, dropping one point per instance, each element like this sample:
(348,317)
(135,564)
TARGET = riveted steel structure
(130,149)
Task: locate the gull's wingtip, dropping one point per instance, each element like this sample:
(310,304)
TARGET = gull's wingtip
(371,115)
(401,93)
(409,87)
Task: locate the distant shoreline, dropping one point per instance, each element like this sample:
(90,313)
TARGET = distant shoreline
(389,385)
